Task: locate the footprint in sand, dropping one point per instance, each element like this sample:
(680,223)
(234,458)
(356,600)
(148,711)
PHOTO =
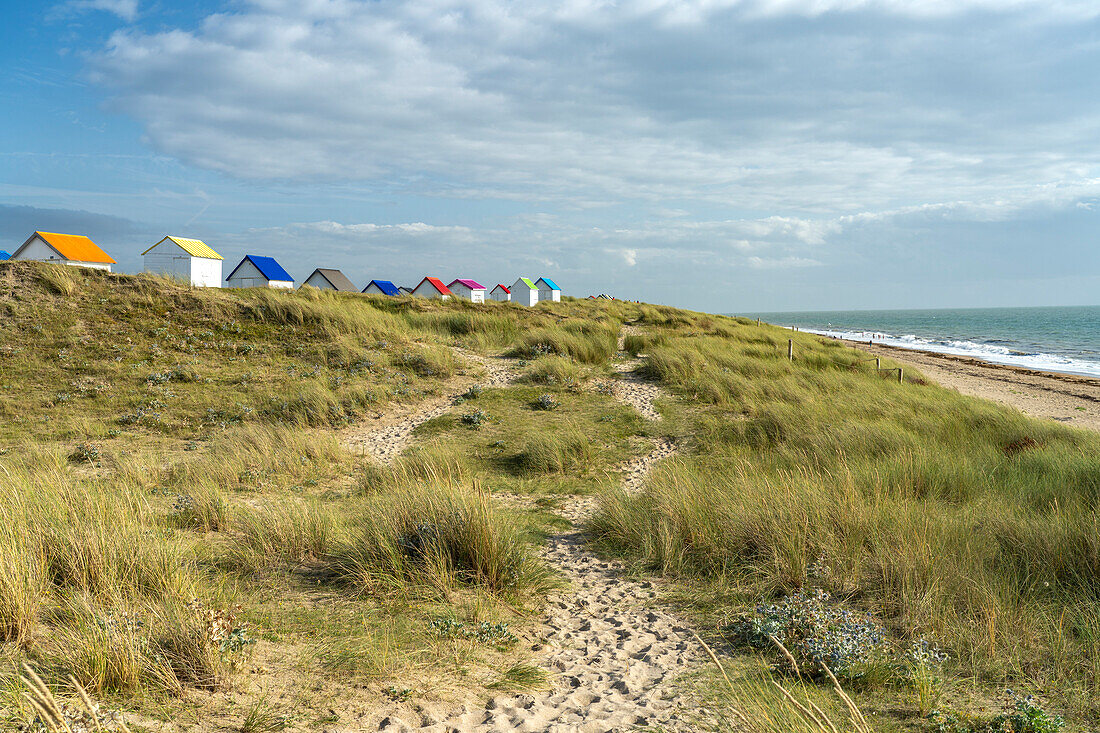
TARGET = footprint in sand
(615,658)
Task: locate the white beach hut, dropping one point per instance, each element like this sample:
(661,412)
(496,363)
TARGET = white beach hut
(326,279)
(500,292)
(467,289)
(255,271)
(548,290)
(525,292)
(190,260)
(432,287)
(64,249)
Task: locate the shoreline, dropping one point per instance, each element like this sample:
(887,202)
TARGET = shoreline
(1070,399)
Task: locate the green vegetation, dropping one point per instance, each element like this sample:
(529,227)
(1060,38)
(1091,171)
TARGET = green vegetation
(162,444)
(945,516)
(181,507)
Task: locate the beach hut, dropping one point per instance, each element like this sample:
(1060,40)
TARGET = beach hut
(525,292)
(4,255)
(500,292)
(405,291)
(548,290)
(432,287)
(382,287)
(190,260)
(255,271)
(64,249)
(325,279)
(466,289)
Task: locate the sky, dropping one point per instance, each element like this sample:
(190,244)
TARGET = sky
(721,155)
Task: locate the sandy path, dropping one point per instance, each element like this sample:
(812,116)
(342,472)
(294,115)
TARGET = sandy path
(630,387)
(1063,397)
(389,434)
(615,658)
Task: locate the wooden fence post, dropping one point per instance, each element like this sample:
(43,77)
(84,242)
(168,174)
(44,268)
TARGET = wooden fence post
(790,349)
(901,376)
(878,363)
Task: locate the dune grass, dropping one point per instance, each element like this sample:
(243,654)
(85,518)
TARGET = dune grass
(161,444)
(950,517)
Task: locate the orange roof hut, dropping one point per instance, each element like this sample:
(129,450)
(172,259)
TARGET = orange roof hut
(64,249)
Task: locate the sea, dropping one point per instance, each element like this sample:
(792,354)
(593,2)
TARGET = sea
(1054,339)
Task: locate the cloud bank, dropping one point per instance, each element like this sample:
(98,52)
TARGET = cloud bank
(683,136)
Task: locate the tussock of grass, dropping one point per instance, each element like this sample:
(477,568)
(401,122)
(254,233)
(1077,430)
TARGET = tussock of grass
(586,342)
(442,536)
(566,450)
(89,539)
(58,279)
(636,343)
(288,531)
(523,677)
(554,370)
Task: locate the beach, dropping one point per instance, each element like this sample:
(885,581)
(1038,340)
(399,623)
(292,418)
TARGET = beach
(1067,398)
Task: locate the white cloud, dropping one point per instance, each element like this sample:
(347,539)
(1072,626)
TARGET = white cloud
(656,141)
(588,105)
(766,263)
(125,9)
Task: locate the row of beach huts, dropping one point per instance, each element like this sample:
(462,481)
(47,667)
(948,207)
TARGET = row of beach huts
(193,261)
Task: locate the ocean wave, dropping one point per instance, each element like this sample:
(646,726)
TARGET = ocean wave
(991,352)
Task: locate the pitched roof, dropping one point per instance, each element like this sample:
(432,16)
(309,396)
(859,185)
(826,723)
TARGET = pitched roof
(385,286)
(437,284)
(549,282)
(75,247)
(267,266)
(527,281)
(471,284)
(193,247)
(4,255)
(336,279)
(503,287)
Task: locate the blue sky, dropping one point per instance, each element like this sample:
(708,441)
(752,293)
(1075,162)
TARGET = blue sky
(726,155)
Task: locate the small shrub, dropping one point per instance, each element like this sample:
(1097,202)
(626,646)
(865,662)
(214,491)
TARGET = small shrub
(85,453)
(203,509)
(924,665)
(1022,715)
(398,694)
(472,393)
(545,402)
(475,419)
(482,633)
(816,631)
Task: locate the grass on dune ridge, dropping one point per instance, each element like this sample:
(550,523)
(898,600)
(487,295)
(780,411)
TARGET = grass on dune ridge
(167,454)
(163,444)
(950,517)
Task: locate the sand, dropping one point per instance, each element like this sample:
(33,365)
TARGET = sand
(614,655)
(1069,399)
(386,435)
